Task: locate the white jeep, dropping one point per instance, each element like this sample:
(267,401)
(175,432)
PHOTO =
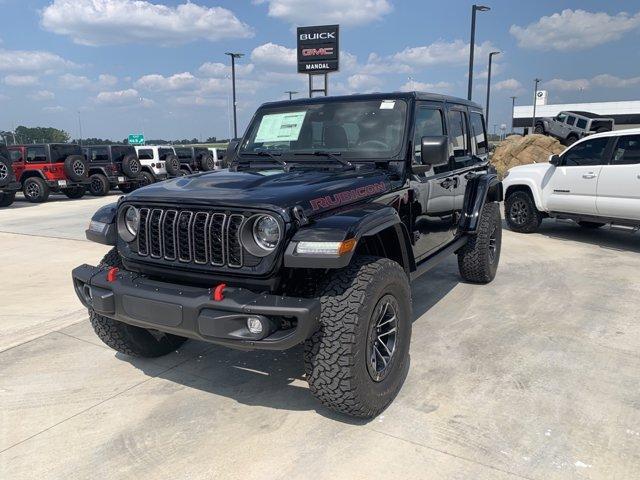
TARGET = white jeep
(595,182)
(158,163)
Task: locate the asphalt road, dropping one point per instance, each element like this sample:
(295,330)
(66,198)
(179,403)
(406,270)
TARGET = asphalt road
(534,376)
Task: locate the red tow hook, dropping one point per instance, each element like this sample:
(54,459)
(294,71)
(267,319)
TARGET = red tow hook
(111,274)
(218,292)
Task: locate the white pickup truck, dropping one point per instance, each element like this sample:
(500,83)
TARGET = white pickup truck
(595,182)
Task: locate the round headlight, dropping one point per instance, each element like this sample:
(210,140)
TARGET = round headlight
(266,232)
(132,220)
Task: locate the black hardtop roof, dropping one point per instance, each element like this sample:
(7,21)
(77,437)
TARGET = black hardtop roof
(434,97)
(106,146)
(585,114)
(45,144)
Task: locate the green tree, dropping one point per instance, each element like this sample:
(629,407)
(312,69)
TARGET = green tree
(41,135)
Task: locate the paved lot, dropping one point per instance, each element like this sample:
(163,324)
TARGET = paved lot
(535,376)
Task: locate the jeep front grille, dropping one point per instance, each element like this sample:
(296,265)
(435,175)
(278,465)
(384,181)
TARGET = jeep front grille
(192,237)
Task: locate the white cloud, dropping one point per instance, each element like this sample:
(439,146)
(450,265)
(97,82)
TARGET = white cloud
(350,12)
(611,81)
(159,83)
(21,80)
(118,97)
(53,109)
(111,22)
(573,30)
(221,70)
(271,54)
(509,84)
(567,85)
(442,53)
(32,61)
(198,101)
(361,82)
(106,80)
(437,87)
(42,95)
(73,82)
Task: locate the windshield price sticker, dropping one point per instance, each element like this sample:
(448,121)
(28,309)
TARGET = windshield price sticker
(280,127)
(387,104)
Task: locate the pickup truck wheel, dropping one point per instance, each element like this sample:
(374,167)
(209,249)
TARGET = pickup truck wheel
(74,192)
(127,339)
(478,260)
(35,190)
(521,212)
(539,129)
(591,225)
(146,179)
(99,185)
(357,361)
(7,199)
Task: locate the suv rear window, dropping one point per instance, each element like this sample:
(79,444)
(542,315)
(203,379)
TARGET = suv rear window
(183,153)
(59,153)
(99,154)
(582,123)
(118,153)
(36,155)
(164,152)
(146,154)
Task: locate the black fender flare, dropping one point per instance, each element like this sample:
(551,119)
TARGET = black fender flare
(102,228)
(482,188)
(352,223)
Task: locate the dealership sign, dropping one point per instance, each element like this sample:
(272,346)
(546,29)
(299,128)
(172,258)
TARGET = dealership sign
(318,49)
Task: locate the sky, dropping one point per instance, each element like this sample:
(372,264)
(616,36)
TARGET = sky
(158,67)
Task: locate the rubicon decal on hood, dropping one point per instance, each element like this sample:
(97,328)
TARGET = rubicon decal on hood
(348,196)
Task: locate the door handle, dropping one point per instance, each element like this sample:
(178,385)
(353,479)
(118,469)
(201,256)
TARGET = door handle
(589,175)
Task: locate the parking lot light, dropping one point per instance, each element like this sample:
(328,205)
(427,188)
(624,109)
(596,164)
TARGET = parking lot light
(486,113)
(233,83)
(474,9)
(535,91)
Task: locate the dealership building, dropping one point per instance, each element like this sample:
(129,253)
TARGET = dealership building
(625,114)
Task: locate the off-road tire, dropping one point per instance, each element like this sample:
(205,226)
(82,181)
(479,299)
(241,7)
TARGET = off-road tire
(99,185)
(591,225)
(539,129)
(75,167)
(131,166)
(207,163)
(127,339)
(531,218)
(6,172)
(74,193)
(172,164)
(146,179)
(478,260)
(570,140)
(336,358)
(7,198)
(35,190)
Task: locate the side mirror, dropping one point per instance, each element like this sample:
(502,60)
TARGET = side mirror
(434,150)
(555,160)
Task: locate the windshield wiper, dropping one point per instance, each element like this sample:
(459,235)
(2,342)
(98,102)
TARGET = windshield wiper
(272,156)
(332,155)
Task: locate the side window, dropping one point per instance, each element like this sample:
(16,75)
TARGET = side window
(581,123)
(479,133)
(429,122)
(163,153)
(627,151)
(561,117)
(16,155)
(145,154)
(36,155)
(571,120)
(99,155)
(589,152)
(458,134)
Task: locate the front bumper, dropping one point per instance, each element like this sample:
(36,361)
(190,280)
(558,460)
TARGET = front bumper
(191,311)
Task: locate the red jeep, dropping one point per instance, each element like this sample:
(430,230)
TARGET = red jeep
(8,184)
(50,167)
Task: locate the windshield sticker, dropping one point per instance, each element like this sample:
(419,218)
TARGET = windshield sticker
(387,104)
(280,127)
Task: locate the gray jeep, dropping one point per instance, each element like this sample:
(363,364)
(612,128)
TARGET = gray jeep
(569,127)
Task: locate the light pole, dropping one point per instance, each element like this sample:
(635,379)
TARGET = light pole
(489,84)
(233,83)
(535,97)
(291,93)
(513,108)
(474,8)
(80,127)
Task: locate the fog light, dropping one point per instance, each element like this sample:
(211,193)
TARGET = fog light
(254,324)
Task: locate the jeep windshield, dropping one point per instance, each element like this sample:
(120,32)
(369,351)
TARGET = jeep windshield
(60,152)
(367,129)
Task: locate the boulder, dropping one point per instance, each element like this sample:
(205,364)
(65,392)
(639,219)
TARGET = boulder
(517,150)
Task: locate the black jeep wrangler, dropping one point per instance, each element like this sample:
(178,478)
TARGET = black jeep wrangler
(194,159)
(112,166)
(330,208)
(8,184)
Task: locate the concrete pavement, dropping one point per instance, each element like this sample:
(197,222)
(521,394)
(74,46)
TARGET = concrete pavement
(534,376)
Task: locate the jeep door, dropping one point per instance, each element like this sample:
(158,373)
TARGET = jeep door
(433,193)
(573,185)
(557,125)
(619,183)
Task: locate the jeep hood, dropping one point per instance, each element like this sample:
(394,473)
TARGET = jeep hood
(312,190)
